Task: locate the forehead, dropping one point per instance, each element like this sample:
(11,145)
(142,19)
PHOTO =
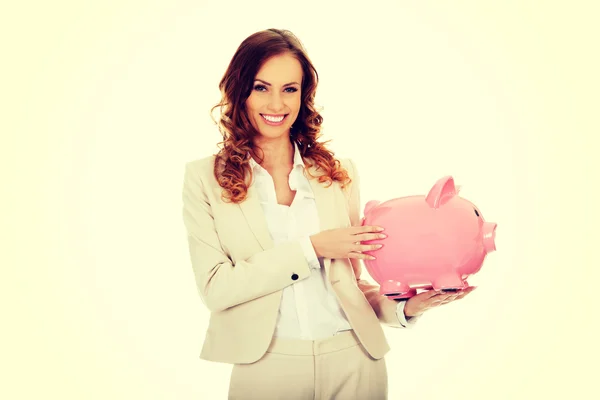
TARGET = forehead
(281,69)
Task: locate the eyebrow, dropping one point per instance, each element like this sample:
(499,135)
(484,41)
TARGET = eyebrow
(268,84)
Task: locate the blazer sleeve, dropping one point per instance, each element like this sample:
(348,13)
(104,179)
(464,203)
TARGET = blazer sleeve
(389,312)
(220,283)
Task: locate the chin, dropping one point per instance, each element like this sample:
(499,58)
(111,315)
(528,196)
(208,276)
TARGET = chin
(274,131)
(273,135)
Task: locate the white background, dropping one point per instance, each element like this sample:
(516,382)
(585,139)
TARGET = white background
(104,102)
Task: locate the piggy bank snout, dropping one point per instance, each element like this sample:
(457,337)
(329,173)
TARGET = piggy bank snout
(489,236)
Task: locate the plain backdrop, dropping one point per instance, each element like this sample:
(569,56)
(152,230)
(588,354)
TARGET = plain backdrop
(104,102)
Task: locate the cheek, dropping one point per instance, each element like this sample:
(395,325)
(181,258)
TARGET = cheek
(251,104)
(252,109)
(296,103)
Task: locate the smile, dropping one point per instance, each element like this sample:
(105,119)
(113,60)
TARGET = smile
(273,119)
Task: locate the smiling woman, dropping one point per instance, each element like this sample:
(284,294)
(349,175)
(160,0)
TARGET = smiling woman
(275,251)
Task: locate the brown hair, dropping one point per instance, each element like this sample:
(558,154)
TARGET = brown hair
(232,161)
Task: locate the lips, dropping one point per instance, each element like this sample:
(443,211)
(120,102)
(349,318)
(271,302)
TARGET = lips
(273,119)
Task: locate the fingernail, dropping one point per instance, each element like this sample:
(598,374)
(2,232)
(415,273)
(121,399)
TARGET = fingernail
(371,258)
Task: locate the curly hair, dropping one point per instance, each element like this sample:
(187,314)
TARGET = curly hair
(232,162)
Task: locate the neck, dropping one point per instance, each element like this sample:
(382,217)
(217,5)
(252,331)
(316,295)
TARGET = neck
(276,153)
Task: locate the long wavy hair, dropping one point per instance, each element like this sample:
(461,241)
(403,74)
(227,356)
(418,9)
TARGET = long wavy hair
(232,162)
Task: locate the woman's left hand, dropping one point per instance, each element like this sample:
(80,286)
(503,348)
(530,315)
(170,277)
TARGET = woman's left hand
(427,300)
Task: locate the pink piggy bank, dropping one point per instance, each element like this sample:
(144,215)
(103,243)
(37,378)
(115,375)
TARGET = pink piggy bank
(435,241)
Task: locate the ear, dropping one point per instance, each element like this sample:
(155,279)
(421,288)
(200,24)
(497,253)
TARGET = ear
(442,191)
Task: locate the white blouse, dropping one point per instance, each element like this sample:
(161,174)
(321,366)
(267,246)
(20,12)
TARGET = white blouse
(309,309)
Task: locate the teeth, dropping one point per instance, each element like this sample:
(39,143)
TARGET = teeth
(273,119)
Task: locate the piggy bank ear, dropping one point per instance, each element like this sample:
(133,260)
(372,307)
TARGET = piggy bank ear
(370,205)
(441,192)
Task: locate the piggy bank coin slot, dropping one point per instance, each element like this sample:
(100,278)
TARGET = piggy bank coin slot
(476,213)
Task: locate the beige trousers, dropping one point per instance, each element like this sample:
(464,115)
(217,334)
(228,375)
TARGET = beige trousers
(337,368)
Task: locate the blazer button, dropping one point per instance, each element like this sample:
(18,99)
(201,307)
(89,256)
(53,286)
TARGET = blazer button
(295,276)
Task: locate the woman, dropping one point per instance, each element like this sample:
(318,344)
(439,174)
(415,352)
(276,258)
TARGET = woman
(275,241)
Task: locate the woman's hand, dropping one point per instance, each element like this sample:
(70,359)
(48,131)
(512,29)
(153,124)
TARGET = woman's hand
(345,242)
(422,302)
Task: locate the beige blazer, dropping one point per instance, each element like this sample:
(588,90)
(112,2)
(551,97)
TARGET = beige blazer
(240,274)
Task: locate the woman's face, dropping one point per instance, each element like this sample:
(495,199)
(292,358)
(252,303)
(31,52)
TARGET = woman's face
(275,99)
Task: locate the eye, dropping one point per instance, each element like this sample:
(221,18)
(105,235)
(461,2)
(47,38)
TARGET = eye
(293,89)
(259,88)
(476,213)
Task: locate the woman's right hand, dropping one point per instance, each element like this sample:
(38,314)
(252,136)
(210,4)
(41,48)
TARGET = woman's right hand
(346,242)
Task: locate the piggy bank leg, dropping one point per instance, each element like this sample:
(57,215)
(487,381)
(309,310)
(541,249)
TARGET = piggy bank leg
(449,282)
(401,296)
(394,289)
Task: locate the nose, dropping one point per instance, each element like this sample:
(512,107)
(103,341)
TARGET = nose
(489,234)
(275,102)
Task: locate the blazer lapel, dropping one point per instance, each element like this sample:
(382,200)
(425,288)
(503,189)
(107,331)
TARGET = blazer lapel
(254,214)
(325,201)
